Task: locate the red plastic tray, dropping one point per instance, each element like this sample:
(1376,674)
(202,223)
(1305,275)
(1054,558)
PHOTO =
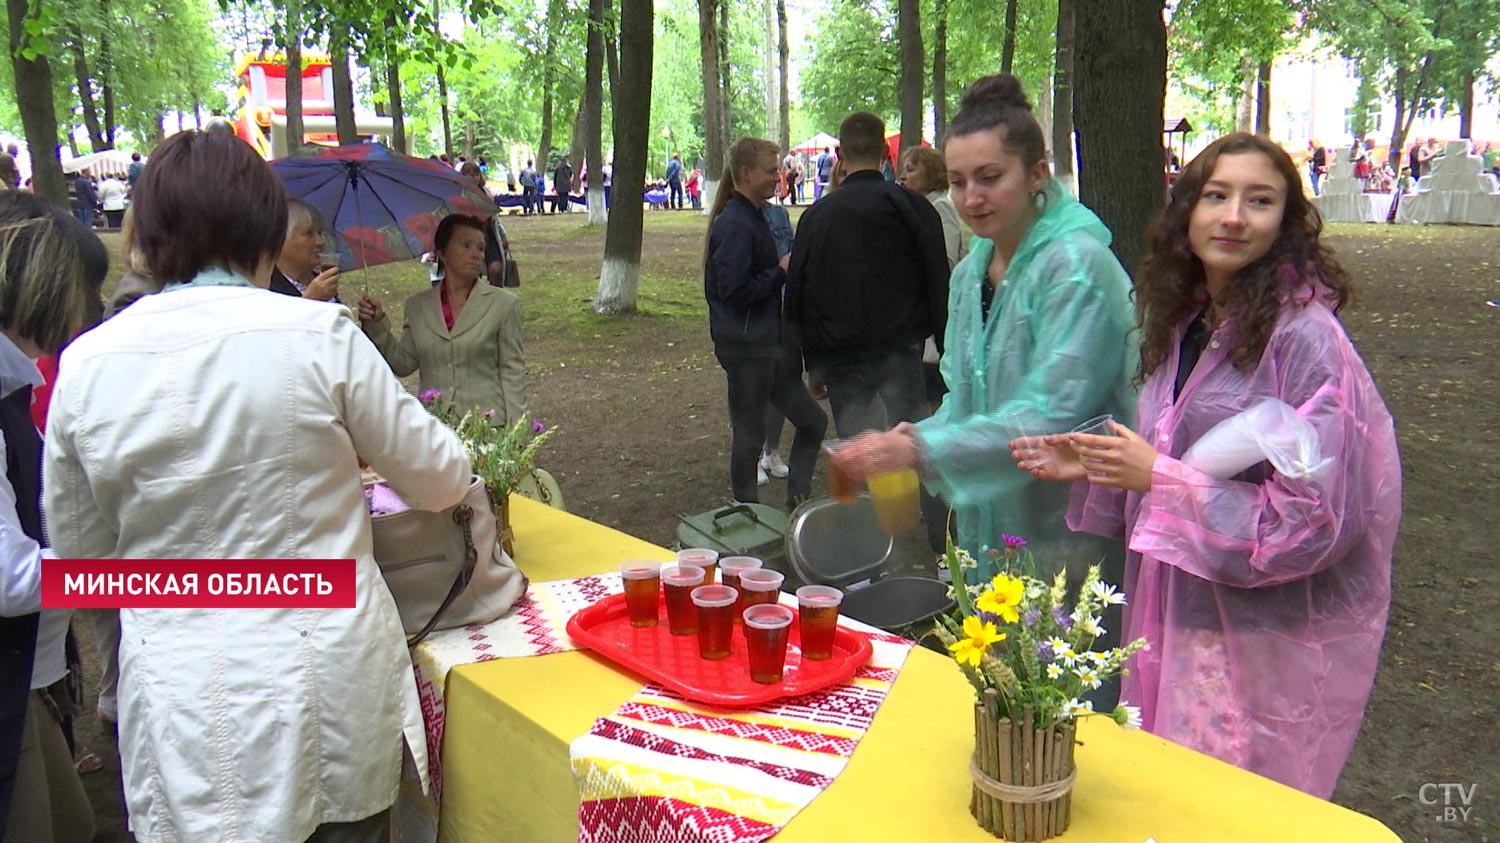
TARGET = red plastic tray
(673,660)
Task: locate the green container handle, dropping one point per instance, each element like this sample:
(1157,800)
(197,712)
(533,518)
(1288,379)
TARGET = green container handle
(737,509)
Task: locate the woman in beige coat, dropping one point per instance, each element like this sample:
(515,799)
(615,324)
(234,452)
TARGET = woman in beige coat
(464,336)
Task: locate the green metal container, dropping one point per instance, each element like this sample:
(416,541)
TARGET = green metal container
(740,529)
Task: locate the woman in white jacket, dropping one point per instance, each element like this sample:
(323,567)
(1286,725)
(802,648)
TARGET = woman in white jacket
(217,420)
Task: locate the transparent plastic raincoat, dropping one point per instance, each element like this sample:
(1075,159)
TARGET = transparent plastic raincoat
(1263,596)
(1055,351)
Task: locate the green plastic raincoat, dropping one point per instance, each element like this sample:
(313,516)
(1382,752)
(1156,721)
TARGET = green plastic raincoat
(1057,350)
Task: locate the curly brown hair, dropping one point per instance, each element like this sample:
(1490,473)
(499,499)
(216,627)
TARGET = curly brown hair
(1172,286)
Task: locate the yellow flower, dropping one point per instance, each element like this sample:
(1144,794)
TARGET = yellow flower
(1005,594)
(979,635)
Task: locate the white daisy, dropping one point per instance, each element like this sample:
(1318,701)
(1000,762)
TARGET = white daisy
(1128,716)
(1108,594)
(1054,671)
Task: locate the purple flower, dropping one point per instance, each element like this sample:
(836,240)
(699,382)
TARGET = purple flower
(1013,544)
(1044,653)
(1030,618)
(489,414)
(1063,619)
(537,427)
(429,394)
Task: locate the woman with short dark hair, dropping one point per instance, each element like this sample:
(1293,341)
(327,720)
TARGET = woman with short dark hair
(170,437)
(464,336)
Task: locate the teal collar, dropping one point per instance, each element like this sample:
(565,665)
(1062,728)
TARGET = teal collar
(211,276)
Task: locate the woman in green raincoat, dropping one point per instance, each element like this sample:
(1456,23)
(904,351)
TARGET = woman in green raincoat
(1038,341)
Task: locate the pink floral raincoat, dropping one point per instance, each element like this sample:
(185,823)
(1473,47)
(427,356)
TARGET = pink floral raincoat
(1263,597)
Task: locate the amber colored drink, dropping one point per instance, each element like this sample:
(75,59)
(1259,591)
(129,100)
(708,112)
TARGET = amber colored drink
(701,557)
(767,629)
(817,618)
(841,487)
(760,586)
(730,569)
(678,582)
(641,599)
(714,603)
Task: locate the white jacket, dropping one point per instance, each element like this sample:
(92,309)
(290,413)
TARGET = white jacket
(223,422)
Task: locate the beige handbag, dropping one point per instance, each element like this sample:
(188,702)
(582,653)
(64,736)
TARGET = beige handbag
(433,565)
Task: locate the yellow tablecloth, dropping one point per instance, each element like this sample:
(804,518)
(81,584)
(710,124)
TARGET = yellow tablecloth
(505,755)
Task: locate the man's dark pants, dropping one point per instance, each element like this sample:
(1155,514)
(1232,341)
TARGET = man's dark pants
(876,393)
(756,379)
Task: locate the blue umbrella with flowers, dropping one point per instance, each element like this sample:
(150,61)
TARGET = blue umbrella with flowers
(381,206)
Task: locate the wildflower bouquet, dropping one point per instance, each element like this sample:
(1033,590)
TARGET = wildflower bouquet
(1019,636)
(1030,656)
(500,455)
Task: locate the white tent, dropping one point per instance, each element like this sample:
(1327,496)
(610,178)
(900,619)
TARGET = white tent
(110,162)
(817,143)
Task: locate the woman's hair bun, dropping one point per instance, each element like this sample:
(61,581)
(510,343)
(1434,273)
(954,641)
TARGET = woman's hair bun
(997,91)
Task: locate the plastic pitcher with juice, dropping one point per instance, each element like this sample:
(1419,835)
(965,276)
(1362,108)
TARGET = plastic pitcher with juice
(897,499)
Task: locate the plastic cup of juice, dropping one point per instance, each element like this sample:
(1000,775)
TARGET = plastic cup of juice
(817,618)
(678,582)
(767,628)
(761,585)
(715,606)
(642,586)
(704,557)
(730,568)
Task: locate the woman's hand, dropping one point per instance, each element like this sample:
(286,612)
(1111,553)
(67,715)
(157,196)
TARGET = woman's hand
(370,310)
(1123,461)
(324,286)
(877,452)
(1048,458)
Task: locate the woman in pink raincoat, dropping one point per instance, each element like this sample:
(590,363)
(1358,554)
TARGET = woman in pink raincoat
(1262,583)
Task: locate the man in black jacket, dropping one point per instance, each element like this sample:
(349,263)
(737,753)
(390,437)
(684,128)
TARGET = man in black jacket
(742,280)
(868,284)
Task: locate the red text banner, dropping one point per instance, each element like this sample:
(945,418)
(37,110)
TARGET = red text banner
(197,583)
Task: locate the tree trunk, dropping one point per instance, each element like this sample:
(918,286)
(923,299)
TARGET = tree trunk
(1244,118)
(1466,106)
(1121,57)
(555,11)
(442,80)
(1062,96)
(468,139)
(343,85)
(106,78)
(612,64)
(619,276)
(726,98)
(909,25)
(393,84)
(85,85)
(940,72)
(784,98)
(1008,44)
(33,78)
(293,48)
(1263,99)
(773,111)
(593,111)
(576,143)
(713,115)
(1398,126)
